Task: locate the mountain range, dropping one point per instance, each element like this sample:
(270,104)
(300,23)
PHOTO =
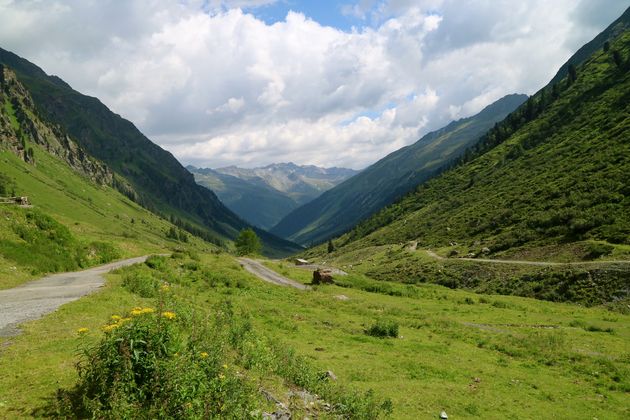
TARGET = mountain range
(343,206)
(263,196)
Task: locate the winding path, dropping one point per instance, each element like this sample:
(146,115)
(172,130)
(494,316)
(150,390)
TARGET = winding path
(521,262)
(268,275)
(37,298)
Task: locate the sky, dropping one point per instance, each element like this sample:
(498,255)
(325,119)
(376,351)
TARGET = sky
(330,83)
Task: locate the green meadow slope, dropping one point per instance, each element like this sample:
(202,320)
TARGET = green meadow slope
(145,172)
(76,218)
(550,183)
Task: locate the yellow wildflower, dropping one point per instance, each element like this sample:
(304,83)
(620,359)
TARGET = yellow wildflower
(165,288)
(116,318)
(83,330)
(148,310)
(225,366)
(169,315)
(110,327)
(203,354)
(123,320)
(221,376)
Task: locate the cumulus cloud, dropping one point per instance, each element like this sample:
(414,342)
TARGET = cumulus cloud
(215,85)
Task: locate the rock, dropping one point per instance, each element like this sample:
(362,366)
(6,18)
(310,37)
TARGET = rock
(322,276)
(485,250)
(443,415)
(341,297)
(471,255)
(330,375)
(453,253)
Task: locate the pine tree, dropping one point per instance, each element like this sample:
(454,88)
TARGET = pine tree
(331,246)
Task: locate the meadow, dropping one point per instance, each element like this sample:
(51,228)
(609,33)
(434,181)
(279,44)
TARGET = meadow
(470,354)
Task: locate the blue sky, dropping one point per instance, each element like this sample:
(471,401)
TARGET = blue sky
(326,12)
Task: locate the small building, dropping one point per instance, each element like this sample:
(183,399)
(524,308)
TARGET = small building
(300,261)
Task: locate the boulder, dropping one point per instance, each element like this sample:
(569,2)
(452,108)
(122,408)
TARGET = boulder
(322,276)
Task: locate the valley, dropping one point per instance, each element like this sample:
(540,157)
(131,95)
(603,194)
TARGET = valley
(482,271)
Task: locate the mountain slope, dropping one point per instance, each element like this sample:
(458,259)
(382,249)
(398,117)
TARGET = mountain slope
(559,175)
(77,218)
(156,178)
(263,196)
(259,204)
(340,208)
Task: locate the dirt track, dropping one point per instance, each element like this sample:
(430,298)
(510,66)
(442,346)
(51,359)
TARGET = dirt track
(269,275)
(34,299)
(521,262)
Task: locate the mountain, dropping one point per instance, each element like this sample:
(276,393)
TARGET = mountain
(302,183)
(145,172)
(263,196)
(550,182)
(258,203)
(342,207)
(77,218)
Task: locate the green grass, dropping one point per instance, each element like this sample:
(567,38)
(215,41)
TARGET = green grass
(469,354)
(546,184)
(94,220)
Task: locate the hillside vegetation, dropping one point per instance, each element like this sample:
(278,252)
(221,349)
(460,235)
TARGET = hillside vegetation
(549,183)
(342,207)
(146,173)
(559,176)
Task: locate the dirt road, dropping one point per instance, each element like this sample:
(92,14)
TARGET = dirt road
(269,275)
(521,262)
(34,299)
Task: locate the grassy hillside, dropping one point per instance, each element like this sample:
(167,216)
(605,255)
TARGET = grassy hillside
(259,204)
(342,207)
(560,176)
(73,223)
(157,180)
(547,184)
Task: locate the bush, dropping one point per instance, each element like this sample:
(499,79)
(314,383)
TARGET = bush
(156,262)
(147,366)
(596,250)
(383,329)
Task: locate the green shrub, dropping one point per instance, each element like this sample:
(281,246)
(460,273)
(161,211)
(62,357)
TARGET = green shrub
(156,262)
(141,283)
(596,250)
(147,366)
(383,328)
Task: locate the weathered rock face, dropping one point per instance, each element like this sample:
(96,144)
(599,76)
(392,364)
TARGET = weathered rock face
(322,276)
(21,128)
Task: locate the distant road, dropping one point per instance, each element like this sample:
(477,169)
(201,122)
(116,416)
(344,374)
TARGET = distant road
(268,275)
(37,298)
(536,263)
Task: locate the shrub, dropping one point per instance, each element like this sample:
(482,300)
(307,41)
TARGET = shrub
(383,328)
(156,262)
(147,366)
(596,250)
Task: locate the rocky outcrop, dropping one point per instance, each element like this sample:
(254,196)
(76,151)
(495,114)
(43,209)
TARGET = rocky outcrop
(22,130)
(322,276)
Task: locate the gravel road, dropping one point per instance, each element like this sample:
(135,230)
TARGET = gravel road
(269,275)
(536,263)
(37,298)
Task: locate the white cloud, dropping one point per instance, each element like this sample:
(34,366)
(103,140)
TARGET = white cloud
(217,86)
